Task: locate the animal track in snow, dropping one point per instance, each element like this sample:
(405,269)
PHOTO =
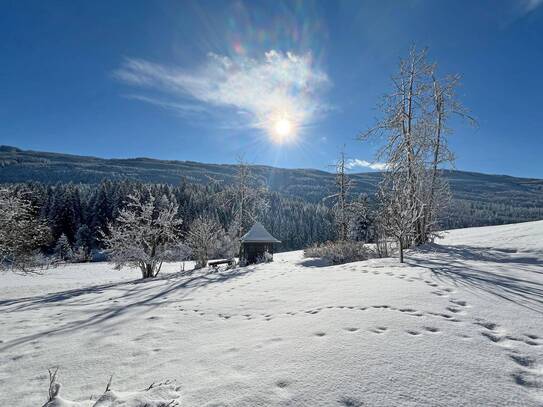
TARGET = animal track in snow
(528,379)
(492,337)
(379,329)
(491,326)
(432,329)
(350,402)
(351,329)
(459,302)
(522,360)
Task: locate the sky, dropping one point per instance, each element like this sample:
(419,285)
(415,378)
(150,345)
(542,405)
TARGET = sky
(288,84)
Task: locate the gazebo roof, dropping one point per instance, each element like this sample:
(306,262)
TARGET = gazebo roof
(258,234)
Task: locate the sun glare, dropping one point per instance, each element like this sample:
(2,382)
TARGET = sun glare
(283,130)
(283,127)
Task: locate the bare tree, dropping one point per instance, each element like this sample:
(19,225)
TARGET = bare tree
(445,105)
(342,205)
(414,127)
(244,198)
(202,239)
(21,233)
(143,233)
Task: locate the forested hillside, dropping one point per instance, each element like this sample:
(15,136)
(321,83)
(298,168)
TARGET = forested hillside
(478,199)
(80,211)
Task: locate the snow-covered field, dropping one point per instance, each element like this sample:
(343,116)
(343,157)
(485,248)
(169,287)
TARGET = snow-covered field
(461,324)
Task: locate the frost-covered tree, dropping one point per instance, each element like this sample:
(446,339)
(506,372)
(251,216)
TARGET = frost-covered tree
(414,128)
(245,198)
(398,214)
(227,244)
(143,233)
(83,243)
(342,205)
(348,213)
(202,238)
(178,252)
(63,249)
(21,233)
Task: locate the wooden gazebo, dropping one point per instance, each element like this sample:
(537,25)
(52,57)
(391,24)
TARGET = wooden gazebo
(255,243)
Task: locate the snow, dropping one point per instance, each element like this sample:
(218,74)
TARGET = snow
(461,323)
(161,395)
(258,234)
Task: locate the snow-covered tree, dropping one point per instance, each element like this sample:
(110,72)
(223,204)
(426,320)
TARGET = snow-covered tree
(398,214)
(414,128)
(21,233)
(178,252)
(63,249)
(202,238)
(343,186)
(83,243)
(245,198)
(347,211)
(143,233)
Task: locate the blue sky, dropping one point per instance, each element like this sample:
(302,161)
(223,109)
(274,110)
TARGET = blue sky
(210,80)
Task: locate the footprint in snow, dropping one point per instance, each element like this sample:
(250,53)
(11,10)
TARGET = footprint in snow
(491,326)
(320,334)
(432,329)
(527,379)
(351,329)
(531,340)
(413,333)
(350,402)
(522,360)
(379,330)
(459,302)
(492,337)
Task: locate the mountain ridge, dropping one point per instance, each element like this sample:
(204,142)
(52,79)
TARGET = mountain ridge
(18,165)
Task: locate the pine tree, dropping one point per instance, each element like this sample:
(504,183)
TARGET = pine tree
(63,249)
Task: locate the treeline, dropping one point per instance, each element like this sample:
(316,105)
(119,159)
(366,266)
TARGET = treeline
(464,213)
(79,211)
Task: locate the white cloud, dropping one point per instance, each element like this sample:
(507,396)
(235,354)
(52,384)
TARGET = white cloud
(530,5)
(354,163)
(261,91)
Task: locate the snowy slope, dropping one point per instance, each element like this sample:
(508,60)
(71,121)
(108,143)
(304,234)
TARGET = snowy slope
(460,324)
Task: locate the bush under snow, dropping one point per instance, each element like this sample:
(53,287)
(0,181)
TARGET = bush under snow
(340,252)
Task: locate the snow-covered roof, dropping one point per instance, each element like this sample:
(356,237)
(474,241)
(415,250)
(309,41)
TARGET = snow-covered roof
(258,234)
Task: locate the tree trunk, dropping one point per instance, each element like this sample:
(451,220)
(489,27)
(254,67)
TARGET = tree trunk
(146,270)
(401,250)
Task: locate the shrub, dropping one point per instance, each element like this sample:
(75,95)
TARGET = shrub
(340,252)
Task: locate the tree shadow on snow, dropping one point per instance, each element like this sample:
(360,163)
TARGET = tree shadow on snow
(125,296)
(515,277)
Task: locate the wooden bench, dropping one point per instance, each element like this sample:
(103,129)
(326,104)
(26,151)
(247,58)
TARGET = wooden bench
(216,263)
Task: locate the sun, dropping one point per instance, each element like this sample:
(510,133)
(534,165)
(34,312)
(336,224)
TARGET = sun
(282,130)
(283,127)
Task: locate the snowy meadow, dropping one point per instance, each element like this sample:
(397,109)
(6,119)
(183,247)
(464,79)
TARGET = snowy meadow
(459,323)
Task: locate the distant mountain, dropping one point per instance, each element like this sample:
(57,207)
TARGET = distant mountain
(497,195)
